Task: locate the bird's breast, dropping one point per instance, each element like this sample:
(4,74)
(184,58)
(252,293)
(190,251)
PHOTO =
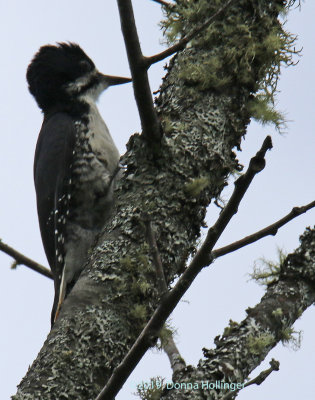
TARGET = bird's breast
(95,161)
(100,140)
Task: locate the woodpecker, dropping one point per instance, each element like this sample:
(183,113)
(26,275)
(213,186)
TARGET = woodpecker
(76,160)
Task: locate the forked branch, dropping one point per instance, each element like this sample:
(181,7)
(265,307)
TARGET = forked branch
(180,45)
(149,120)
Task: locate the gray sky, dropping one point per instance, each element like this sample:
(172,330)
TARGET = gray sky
(220,292)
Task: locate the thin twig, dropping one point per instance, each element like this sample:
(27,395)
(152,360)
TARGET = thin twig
(269,230)
(170,300)
(161,281)
(274,366)
(256,165)
(180,45)
(164,3)
(21,259)
(176,360)
(168,344)
(149,120)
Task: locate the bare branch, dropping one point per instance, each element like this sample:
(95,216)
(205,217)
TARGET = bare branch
(168,344)
(173,354)
(182,43)
(170,300)
(272,229)
(21,259)
(274,366)
(164,3)
(269,230)
(256,165)
(161,282)
(149,120)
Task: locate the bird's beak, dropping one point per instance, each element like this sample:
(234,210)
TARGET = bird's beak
(113,80)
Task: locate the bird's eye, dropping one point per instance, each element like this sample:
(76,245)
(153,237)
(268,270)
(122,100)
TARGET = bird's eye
(85,65)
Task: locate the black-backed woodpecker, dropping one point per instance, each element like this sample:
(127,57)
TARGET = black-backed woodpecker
(76,160)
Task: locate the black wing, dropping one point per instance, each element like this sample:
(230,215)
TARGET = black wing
(52,174)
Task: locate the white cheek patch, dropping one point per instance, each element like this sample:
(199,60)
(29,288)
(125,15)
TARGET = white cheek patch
(78,84)
(91,94)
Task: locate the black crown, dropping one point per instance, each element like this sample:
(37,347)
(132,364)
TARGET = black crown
(52,69)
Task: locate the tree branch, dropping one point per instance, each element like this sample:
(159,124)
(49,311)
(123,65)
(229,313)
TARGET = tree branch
(28,262)
(163,3)
(254,237)
(176,360)
(256,165)
(171,299)
(161,282)
(182,42)
(149,120)
(274,366)
(168,344)
(269,230)
(244,345)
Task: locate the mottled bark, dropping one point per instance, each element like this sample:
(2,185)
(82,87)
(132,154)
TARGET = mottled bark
(243,346)
(116,293)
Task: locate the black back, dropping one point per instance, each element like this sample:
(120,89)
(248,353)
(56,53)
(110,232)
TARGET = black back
(52,172)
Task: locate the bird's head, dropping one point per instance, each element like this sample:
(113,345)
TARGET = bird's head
(63,73)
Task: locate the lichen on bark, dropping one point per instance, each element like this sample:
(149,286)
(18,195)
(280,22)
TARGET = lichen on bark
(247,50)
(243,346)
